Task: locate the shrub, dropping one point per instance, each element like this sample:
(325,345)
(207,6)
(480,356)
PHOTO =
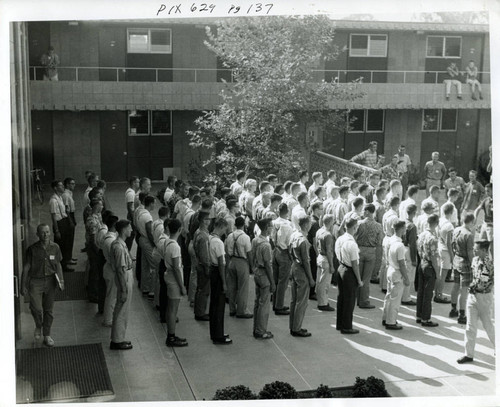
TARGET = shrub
(239,392)
(278,390)
(370,387)
(323,392)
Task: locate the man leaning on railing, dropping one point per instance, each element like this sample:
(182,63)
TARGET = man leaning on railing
(369,157)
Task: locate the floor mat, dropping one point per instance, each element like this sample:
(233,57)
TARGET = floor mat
(61,373)
(74,288)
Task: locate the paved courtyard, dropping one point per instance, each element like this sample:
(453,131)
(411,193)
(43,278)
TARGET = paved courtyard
(414,362)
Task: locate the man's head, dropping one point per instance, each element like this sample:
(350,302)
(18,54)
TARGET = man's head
(220,226)
(380,193)
(43,232)
(305,224)
(96,205)
(448,210)
(145,184)
(320,193)
(471,63)
(57,186)
(163,212)
(357,204)
(358,175)
(395,202)
(265,186)
(345,181)
(469,221)
(488,189)
(184,191)
(472,175)
(276,200)
(295,189)
(453,194)
(171,181)
(434,192)
(241,176)
(368,210)
(374,179)
(287,185)
(303,200)
(149,202)
(317,209)
(334,192)
(351,225)
(283,210)
(69,183)
(250,185)
(92,180)
(303,176)
(394,160)
(452,172)
(411,211)
(412,191)
(344,192)
(279,189)
(328,221)
(373,146)
(317,178)
(134,182)
(435,156)
(233,206)
(101,184)
(173,227)
(123,228)
(272,179)
(206,205)
(353,186)
(266,199)
(428,208)
(204,219)
(400,228)
(332,175)
(111,222)
(194,190)
(51,50)
(433,222)
(402,150)
(265,226)
(363,190)
(481,248)
(239,222)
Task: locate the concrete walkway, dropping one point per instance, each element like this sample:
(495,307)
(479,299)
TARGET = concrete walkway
(414,362)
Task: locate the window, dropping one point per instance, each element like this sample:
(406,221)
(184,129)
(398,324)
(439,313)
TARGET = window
(161,121)
(439,120)
(368,45)
(146,122)
(444,47)
(149,40)
(449,120)
(369,121)
(356,121)
(375,121)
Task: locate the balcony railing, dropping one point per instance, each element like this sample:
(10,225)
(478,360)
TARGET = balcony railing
(127,74)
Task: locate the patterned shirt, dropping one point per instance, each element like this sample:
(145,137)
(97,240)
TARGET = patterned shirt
(389,172)
(367,158)
(482,274)
(369,234)
(427,246)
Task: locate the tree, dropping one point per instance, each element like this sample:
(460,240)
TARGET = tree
(260,124)
(457,17)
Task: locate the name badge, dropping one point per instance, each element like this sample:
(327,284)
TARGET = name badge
(52,257)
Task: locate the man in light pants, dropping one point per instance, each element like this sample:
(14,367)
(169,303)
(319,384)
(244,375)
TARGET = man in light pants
(108,272)
(325,246)
(410,242)
(146,243)
(480,300)
(397,277)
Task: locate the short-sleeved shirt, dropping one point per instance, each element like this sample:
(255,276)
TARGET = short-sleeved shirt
(238,244)
(329,185)
(421,222)
(256,203)
(310,191)
(379,210)
(297,213)
(245,201)
(230,219)
(395,252)
(170,250)
(138,210)
(181,207)
(462,244)
(130,197)
(236,188)
(216,249)
(367,158)
(369,234)
(435,171)
(404,162)
(281,233)
(324,241)
(482,274)
(57,207)
(158,229)
(388,221)
(403,206)
(346,249)
(120,255)
(445,227)
(142,219)
(108,240)
(167,195)
(68,200)
(427,246)
(302,187)
(296,241)
(291,202)
(261,251)
(43,261)
(340,210)
(101,234)
(472,195)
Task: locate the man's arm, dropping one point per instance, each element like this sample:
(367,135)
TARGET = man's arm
(329,251)
(304,255)
(222,272)
(355,268)
(412,243)
(149,232)
(358,157)
(449,236)
(269,268)
(57,233)
(130,209)
(470,248)
(24,277)
(178,275)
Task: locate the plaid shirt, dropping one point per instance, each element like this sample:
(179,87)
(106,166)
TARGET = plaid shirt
(427,245)
(482,274)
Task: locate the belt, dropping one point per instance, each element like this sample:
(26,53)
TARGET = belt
(279,248)
(239,257)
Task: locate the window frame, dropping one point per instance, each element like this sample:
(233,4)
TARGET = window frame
(440,122)
(444,46)
(368,45)
(349,120)
(149,50)
(151,123)
(129,128)
(366,121)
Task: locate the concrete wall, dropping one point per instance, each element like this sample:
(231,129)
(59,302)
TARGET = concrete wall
(76,144)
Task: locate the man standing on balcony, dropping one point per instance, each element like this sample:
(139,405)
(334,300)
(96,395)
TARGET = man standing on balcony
(50,61)
(434,172)
(368,158)
(452,79)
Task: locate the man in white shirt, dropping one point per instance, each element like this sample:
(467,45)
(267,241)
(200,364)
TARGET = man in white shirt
(433,198)
(300,210)
(303,178)
(445,234)
(330,198)
(171,179)
(130,194)
(453,195)
(330,183)
(421,220)
(238,185)
(317,182)
(69,203)
(146,242)
(291,201)
(61,223)
(404,164)
(397,276)
(388,221)
(339,210)
(410,200)
(282,263)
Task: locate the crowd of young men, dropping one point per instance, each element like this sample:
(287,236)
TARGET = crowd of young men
(352,233)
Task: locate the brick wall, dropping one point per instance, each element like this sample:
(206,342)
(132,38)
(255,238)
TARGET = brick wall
(76,144)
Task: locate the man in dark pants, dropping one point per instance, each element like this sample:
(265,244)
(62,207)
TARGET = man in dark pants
(426,271)
(301,277)
(61,223)
(316,214)
(200,247)
(218,286)
(39,279)
(129,201)
(347,252)
(67,197)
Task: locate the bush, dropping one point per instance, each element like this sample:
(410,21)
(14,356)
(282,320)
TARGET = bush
(239,392)
(323,392)
(278,390)
(370,387)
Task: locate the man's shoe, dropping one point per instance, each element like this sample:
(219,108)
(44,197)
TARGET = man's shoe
(222,341)
(375,281)
(384,323)
(38,334)
(176,342)
(73,259)
(313,297)
(462,319)
(349,331)
(266,335)
(442,300)
(447,97)
(205,317)
(418,320)
(453,313)
(232,314)
(120,345)
(301,333)
(326,308)
(465,359)
(245,316)
(394,327)
(369,306)
(72,262)
(282,311)
(459,97)
(410,303)
(48,341)
(430,324)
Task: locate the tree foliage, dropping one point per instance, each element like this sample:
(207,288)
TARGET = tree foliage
(260,125)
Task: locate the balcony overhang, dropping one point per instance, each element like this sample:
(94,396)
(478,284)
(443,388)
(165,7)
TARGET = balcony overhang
(95,95)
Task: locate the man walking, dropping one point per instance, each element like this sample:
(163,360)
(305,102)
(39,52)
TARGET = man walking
(42,273)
